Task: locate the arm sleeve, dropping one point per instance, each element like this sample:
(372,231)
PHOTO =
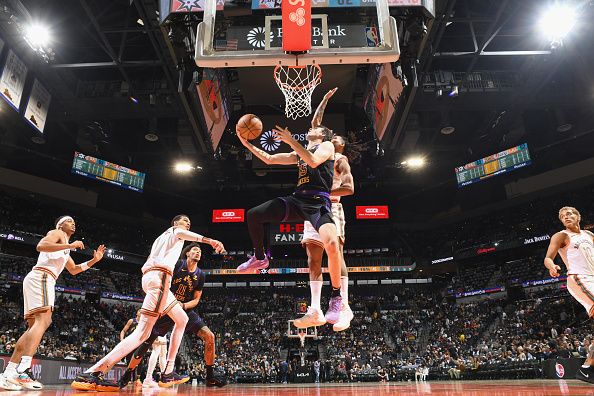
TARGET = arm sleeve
(187,235)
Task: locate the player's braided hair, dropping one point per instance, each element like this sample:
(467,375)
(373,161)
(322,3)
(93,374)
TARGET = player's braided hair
(353,148)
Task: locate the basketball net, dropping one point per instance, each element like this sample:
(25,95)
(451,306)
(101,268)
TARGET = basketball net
(302,339)
(297,83)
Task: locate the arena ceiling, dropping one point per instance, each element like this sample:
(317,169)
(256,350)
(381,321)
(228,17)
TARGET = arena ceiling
(512,89)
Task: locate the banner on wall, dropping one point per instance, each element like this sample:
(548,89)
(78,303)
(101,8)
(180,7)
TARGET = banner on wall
(228,215)
(372,212)
(186,6)
(59,371)
(382,95)
(12,80)
(38,106)
(215,105)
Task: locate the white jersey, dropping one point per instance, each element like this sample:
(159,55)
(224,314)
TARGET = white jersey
(578,254)
(53,262)
(336,178)
(165,251)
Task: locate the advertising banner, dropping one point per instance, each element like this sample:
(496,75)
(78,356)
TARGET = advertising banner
(60,371)
(286,233)
(372,212)
(228,215)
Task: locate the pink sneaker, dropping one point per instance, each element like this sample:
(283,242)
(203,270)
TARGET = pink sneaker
(333,313)
(253,264)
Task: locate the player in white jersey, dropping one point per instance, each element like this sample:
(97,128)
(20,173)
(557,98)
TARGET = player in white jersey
(39,295)
(576,248)
(342,185)
(159,301)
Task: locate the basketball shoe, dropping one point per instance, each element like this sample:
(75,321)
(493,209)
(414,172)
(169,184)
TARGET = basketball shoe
(344,322)
(9,386)
(585,374)
(94,382)
(215,382)
(173,378)
(149,383)
(25,379)
(253,264)
(333,313)
(313,317)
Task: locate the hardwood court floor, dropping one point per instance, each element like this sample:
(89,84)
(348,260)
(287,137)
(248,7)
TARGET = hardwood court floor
(466,388)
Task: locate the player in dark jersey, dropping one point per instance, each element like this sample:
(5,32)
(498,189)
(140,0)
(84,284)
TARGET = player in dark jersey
(187,284)
(310,201)
(126,331)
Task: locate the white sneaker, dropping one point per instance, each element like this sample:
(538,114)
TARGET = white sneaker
(26,380)
(313,317)
(149,383)
(344,320)
(9,386)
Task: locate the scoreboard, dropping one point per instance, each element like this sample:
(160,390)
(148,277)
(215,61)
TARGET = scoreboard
(496,164)
(99,169)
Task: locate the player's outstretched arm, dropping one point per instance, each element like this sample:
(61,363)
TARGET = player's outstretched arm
(76,269)
(270,159)
(52,243)
(316,120)
(347,184)
(324,152)
(557,242)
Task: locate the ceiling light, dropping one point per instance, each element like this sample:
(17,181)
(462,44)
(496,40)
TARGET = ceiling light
(556,22)
(184,167)
(37,36)
(414,162)
(454,92)
(446,130)
(140,21)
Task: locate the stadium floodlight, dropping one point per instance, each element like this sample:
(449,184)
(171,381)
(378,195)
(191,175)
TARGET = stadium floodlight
(184,167)
(557,21)
(37,36)
(414,162)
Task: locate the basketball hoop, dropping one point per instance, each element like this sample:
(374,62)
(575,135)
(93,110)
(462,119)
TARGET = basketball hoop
(302,339)
(297,84)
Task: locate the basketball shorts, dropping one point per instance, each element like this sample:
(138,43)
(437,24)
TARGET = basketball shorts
(39,292)
(165,324)
(158,299)
(313,208)
(581,287)
(310,235)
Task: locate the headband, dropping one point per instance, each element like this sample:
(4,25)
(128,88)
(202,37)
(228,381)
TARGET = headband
(63,219)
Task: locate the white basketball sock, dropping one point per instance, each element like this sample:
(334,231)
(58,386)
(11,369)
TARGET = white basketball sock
(25,364)
(316,294)
(344,290)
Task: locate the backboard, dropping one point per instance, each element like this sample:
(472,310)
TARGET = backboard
(342,32)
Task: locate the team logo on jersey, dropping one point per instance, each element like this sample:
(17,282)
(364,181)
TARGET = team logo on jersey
(268,143)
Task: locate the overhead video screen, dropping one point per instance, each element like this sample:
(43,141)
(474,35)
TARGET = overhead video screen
(493,165)
(99,169)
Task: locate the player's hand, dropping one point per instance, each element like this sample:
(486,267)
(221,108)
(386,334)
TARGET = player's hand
(555,271)
(79,245)
(330,93)
(283,134)
(98,253)
(217,246)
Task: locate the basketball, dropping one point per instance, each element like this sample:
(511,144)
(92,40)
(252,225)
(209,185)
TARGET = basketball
(249,126)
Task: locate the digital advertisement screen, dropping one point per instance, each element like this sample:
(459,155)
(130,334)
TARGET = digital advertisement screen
(95,168)
(372,212)
(228,215)
(496,164)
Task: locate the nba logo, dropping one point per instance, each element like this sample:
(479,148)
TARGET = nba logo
(372,37)
(560,370)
